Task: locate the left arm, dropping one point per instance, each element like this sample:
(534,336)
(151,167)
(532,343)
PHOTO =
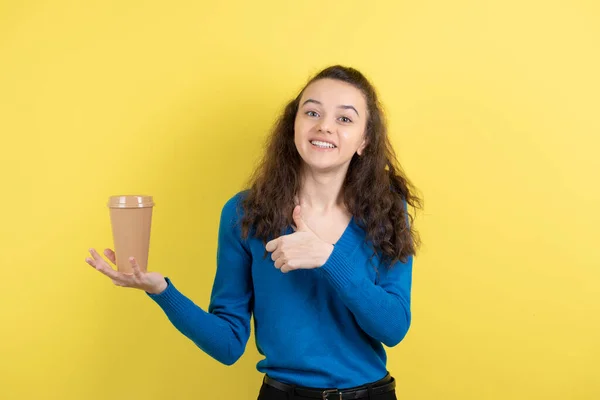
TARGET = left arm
(381,309)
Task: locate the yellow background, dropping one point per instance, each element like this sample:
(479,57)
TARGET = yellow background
(493,109)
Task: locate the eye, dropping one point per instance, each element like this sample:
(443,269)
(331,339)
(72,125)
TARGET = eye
(312,114)
(345,119)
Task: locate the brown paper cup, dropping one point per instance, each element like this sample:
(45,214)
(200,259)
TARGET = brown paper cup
(131,220)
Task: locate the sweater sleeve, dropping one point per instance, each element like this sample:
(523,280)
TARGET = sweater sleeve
(223,330)
(381,308)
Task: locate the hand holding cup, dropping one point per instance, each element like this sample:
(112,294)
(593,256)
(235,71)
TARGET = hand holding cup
(151,282)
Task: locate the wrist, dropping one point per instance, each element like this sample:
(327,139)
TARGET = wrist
(327,250)
(158,289)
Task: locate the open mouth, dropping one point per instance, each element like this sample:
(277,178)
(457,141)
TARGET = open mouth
(322,145)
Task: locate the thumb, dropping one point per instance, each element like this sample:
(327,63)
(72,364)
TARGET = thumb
(298,221)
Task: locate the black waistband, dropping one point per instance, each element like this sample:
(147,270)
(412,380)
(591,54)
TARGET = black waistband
(387,384)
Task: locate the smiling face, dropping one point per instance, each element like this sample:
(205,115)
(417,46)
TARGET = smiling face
(330,124)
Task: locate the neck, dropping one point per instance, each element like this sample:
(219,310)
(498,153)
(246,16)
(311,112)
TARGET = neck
(322,191)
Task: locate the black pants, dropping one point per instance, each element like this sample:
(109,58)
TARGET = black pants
(270,393)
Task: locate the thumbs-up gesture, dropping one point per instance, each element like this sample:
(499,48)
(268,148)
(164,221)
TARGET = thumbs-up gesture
(302,249)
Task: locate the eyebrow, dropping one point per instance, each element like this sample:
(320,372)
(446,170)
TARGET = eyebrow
(346,107)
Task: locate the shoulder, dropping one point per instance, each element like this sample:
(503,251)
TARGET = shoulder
(230,225)
(236,200)
(232,210)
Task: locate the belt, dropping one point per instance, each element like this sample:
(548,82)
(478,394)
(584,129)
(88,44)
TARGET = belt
(385,385)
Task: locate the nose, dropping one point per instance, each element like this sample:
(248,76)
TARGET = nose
(324,126)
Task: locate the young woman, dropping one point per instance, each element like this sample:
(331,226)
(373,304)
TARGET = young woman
(318,249)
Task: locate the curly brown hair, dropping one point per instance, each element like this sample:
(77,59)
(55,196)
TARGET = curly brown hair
(375,190)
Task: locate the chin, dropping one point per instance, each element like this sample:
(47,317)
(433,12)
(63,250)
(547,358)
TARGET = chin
(320,166)
(320,162)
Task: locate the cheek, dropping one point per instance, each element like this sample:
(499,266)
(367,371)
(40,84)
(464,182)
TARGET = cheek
(299,134)
(351,139)
(299,128)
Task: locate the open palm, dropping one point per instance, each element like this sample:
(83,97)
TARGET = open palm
(151,282)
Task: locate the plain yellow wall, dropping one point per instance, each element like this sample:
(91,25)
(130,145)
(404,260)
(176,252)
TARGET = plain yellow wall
(494,112)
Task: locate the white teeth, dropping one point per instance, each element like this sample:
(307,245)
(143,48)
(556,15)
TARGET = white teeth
(322,144)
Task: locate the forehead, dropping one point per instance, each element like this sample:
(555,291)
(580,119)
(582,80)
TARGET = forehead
(332,92)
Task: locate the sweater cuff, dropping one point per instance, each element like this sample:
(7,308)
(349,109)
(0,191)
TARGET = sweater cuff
(170,298)
(338,270)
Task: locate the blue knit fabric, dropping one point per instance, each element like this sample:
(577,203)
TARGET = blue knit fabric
(323,327)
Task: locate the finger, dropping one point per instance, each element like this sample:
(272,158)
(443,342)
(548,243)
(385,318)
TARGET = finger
(272,245)
(285,268)
(280,262)
(137,271)
(90,262)
(102,266)
(111,256)
(298,221)
(98,260)
(276,254)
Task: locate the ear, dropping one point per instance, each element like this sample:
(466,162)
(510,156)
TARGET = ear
(362,147)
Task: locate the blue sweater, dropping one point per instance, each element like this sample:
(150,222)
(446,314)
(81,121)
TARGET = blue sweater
(323,327)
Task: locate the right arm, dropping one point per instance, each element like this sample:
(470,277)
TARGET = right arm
(223,331)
